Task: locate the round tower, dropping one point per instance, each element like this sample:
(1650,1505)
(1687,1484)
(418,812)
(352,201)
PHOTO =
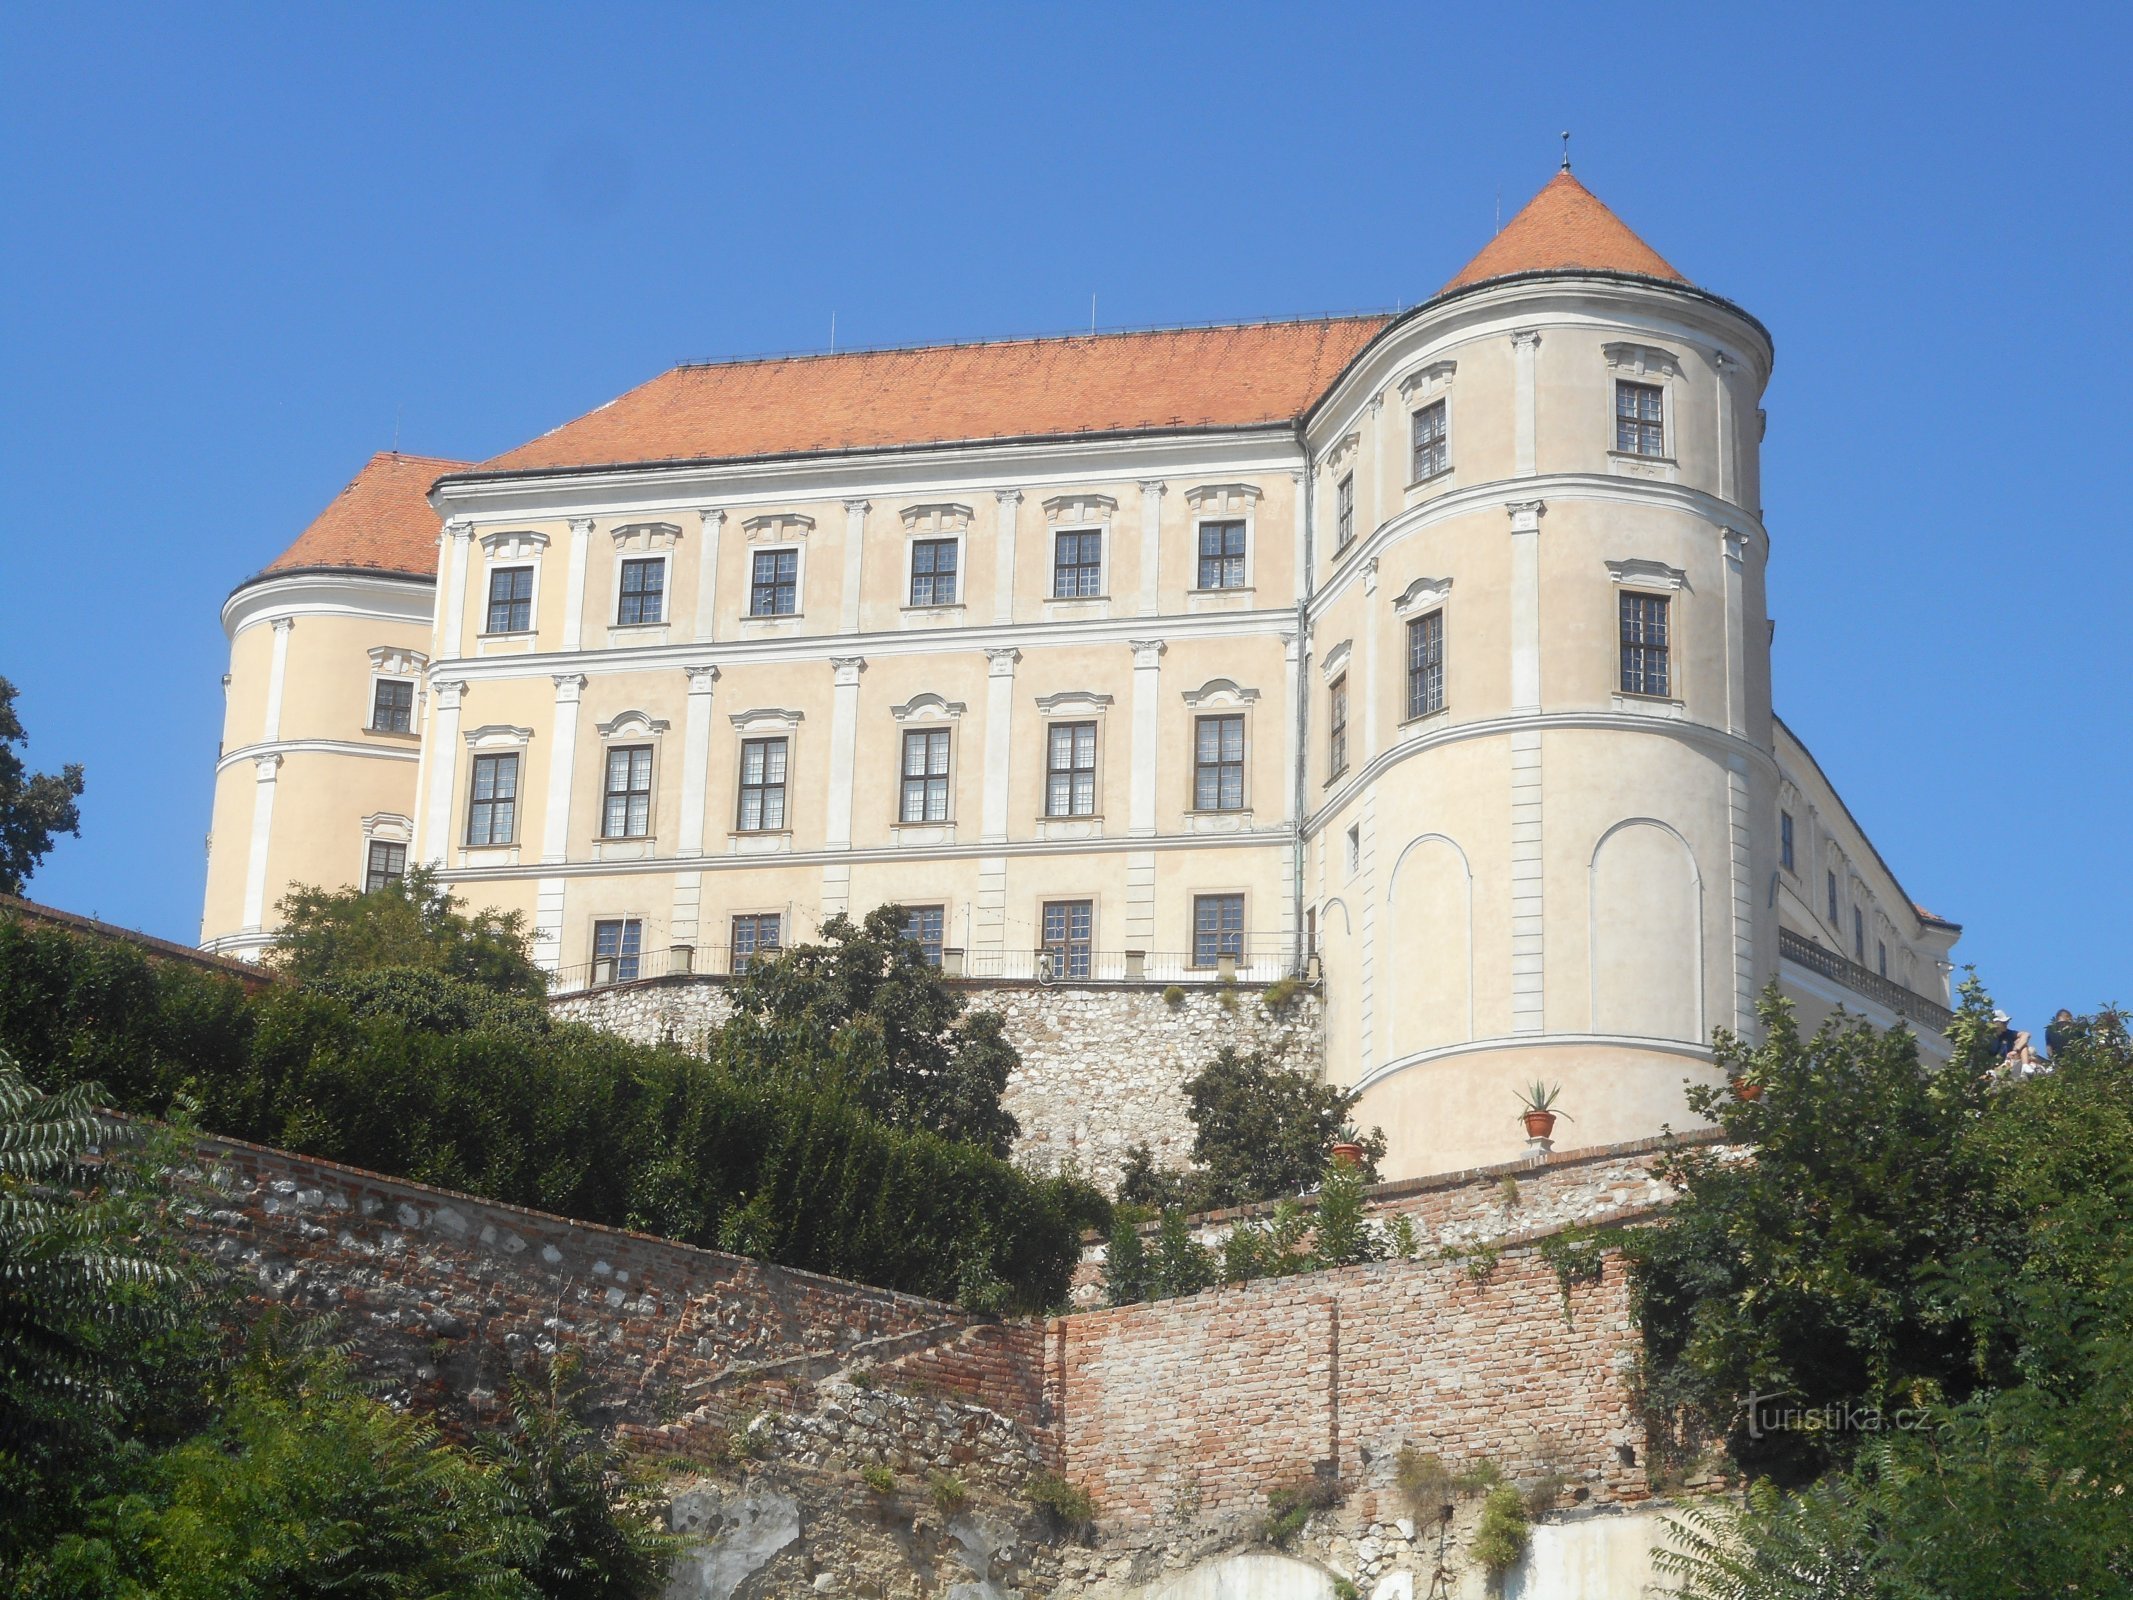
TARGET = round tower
(1542,782)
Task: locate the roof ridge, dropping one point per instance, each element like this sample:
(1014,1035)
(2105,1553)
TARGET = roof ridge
(418,455)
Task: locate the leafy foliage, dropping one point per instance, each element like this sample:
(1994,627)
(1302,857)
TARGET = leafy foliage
(331,934)
(34,809)
(1182,1264)
(1127,1274)
(1343,1235)
(1290,1505)
(1501,1536)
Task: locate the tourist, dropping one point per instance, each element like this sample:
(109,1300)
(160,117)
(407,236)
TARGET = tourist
(2060,1031)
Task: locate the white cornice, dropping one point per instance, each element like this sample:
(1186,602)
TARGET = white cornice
(377,597)
(317,747)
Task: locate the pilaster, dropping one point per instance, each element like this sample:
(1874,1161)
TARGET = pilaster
(266,770)
(562,763)
(696,759)
(1147,684)
(1151,543)
(574,584)
(458,543)
(855,533)
(277,676)
(1004,547)
(1525,354)
(714,522)
(444,769)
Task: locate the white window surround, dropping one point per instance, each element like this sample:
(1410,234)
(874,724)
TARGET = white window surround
(944,521)
(754,624)
(1218,694)
(1647,364)
(1653,577)
(1419,390)
(1424,594)
(514,548)
(924,708)
(1657,576)
(1080,512)
(778,527)
(384,827)
(1341,456)
(1072,705)
(492,738)
(628,730)
(643,541)
(1217,697)
(767,722)
(1335,661)
(394,664)
(1222,502)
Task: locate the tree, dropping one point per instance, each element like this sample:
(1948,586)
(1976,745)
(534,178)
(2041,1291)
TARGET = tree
(865,1013)
(33,809)
(1182,1264)
(1343,1235)
(1127,1275)
(333,934)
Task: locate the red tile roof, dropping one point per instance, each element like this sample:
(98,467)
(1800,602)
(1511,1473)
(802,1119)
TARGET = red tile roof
(1564,227)
(1256,373)
(381,520)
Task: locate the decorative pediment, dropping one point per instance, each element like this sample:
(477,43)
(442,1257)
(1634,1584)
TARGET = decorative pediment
(768,719)
(779,526)
(1421,595)
(1335,661)
(395,661)
(1219,692)
(1073,703)
(647,536)
(1343,451)
(936,521)
(389,826)
(1223,499)
(1642,574)
(628,724)
(928,708)
(517,545)
(1427,382)
(498,736)
(1079,507)
(1641,360)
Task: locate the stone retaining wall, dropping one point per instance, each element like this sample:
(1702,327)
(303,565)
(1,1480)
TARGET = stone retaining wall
(1103,1065)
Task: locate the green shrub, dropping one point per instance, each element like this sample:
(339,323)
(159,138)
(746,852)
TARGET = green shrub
(1067,1508)
(1174,996)
(1500,1539)
(947,1492)
(1127,1275)
(1290,1505)
(878,1479)
(1280,995)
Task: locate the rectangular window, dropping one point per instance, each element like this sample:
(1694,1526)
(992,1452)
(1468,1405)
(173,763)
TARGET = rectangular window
(1882,946)
(1077,564)
(1832,877)
(1640,419)
(1222,555)
(1433,443)
(1344,513)
(1337,728)
(385,864)
(644,593)
(758,935)
(1070,770)
(1218,764)
(774,584)
(392,706)
(1069,931)
(933,572)
(922,926)
(492,810)
(1785,840)
(1644,645)
(1217,928)
(1859,936)
(510,600)
(618,950)
(627,809)
(925,781)
(1425,664)
(762,786)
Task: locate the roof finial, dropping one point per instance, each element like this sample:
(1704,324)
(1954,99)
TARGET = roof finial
(1566,149)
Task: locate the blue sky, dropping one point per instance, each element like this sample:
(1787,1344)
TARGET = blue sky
(248,246)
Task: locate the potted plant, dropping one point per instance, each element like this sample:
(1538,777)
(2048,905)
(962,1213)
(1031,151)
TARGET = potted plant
(1747,1088)
(1540,1113)
(1348,1144)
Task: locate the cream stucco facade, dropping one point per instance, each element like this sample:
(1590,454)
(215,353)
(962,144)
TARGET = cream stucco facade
(1343,691)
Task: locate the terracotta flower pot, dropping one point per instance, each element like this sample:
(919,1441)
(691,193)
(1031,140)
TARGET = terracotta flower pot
(1352,1154)
(1747,1090)
(1539,1124)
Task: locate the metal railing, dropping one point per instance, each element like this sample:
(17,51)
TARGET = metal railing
(1864,982)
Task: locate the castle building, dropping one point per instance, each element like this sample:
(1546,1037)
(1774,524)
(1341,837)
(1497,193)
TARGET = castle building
(1425,656)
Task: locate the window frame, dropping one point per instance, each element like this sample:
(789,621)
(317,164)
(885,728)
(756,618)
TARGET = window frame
(1343,511)
(1336,728)
(1788,854)
(664,561)
(1242,526)
(1100,566)
(1641,423)
(474,773)
(933,947)
(1073,772)
(1626,600)
(929,783)
(1427,629)
(381,682)
(738,960)
(1221,935)
(531,599)
(1078,955)
(1859,933)
(631,792)
(756,585)
(934,542)
(1440,443)
(1835,914)
(628,931)
(1221,764)
(763,787)
(373,878)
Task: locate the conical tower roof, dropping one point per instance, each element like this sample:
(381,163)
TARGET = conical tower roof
(1564,228)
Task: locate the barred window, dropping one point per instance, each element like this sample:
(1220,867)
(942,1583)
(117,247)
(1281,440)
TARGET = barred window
(1337,727)
(1785,840)
(1859,935)
(1222,555)
(925,777)
(1425,664)
(1070,770)
(756,935)
(1217,928)
(1069,934)
(511,600)
(644,592)
(1645,667)
(923,926)
(385,864)
(1640,419)
(1344,513)
(1883,946)
(626,811)
(492,808)
(1077,564)
(392,706)
(1218,764)
(774,584)
(933,572)
(763,766)
(1832,877)
(618,950)
(1433,441)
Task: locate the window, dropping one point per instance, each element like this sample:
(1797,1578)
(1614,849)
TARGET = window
(1344,513)
(1785,840)
(925,785)
(1883,946)
(627,810)
(1222,555)
(1832,877)
(922,926)
(618,950)
(511,600)
(762,786)
(1218,764)
(1337,728)
(386,864)
(1640,419)
(1433,443)
(1070,770)
(1069,926)
(774,584)
(1425,664)
(1077,564)
(1644,645)
(644,592)
(757,935)
(1859,936)
(1217,928)
(492,811)
(933,571)
(392,706)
